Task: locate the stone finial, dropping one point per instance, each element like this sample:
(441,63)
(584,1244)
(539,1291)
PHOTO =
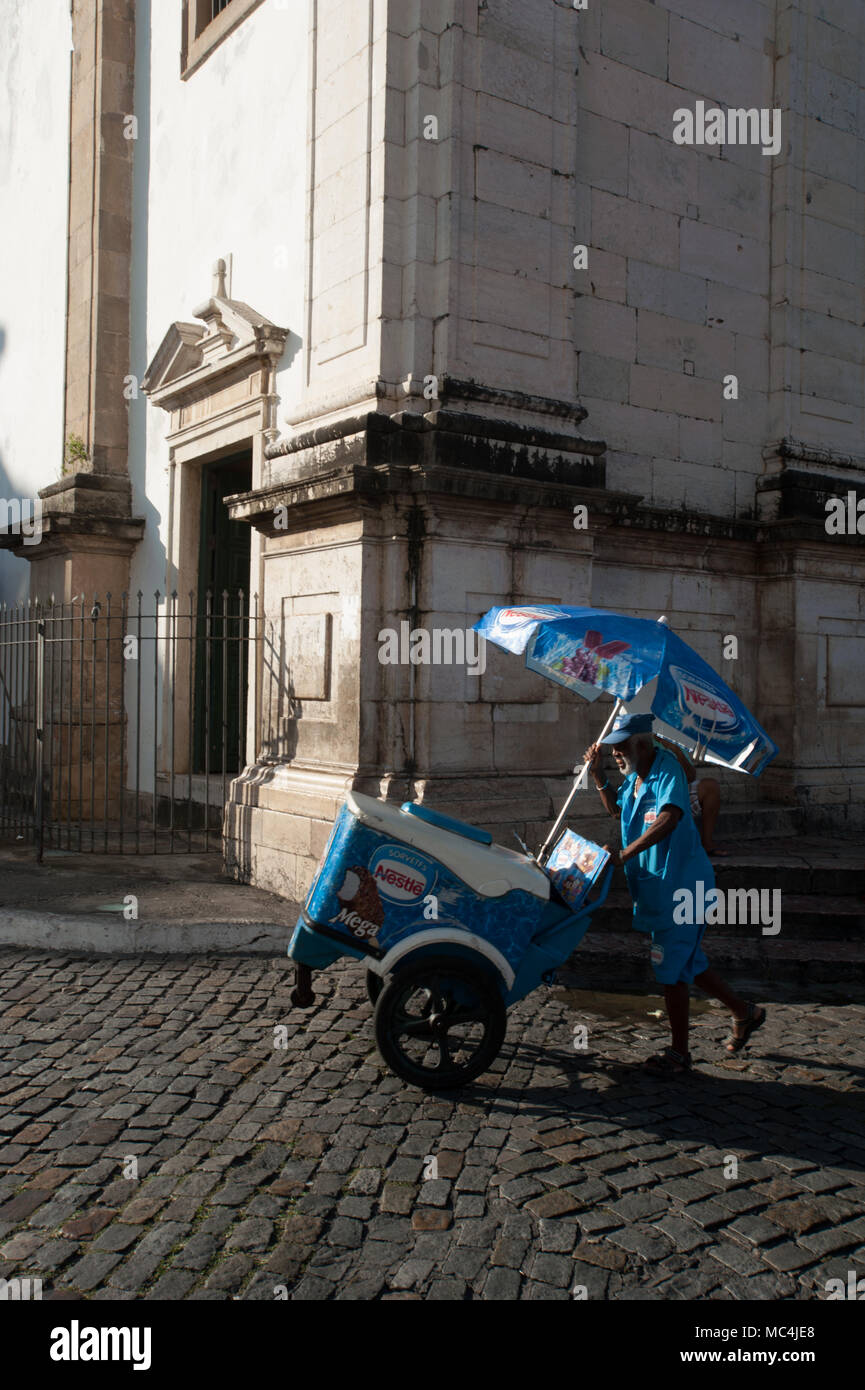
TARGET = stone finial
(219,270)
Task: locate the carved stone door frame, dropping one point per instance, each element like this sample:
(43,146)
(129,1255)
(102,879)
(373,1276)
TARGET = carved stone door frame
(218,386)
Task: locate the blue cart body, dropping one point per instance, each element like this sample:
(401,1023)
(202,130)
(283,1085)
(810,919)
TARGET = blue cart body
(399,882)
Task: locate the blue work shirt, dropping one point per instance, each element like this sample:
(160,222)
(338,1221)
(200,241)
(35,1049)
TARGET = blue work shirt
(678,861)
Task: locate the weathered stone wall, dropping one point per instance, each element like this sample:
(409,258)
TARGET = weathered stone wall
(551,128)
(698,246)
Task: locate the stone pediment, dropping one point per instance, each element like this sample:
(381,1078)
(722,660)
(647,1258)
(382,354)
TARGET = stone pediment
(234,337)
(178,353)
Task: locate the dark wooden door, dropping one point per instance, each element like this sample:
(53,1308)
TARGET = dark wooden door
(221,658)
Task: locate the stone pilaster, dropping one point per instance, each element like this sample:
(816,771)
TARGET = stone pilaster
(100,231)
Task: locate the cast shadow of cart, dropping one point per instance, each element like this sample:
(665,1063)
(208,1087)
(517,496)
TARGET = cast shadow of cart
(804,1121)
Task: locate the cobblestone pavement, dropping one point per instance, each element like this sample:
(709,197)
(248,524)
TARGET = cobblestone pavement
(298,1171)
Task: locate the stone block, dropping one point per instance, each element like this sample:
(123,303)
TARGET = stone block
(824,333)
(511,242)
(606,275)
(746,420)
(830,379)
(513,183)
(664,341)
(630,228)
(718,68)
(831,49)
(733,196)
(621,94)
(510,303)
(664,175)
(831,250)
(700,441)
(634,431)
(654,388)
(606,329)
(515,76)
(750,22)
(667,291)
(726,256)
(831,153)
(602,153)
(605,378)
(634,32)
(512,129)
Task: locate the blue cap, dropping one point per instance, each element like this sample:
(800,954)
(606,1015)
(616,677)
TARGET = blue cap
(626,726)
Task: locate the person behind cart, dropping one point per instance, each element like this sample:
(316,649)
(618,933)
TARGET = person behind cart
(705,797)
(661,853)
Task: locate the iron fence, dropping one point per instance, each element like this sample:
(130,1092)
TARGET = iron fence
(121,726)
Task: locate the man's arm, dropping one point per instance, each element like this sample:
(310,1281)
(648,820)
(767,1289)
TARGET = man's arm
(666,823)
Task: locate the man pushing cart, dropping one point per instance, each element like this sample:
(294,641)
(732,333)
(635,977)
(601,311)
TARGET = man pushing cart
(661,854)
(454,929)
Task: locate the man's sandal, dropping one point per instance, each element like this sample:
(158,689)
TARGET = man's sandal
(744,1027)
(668,1063)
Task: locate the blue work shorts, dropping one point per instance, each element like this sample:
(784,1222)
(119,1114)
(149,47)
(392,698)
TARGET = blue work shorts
(677,955)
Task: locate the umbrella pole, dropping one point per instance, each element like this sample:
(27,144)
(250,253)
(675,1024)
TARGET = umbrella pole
(579,782)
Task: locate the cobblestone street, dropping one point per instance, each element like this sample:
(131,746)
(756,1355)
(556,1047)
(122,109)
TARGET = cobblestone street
(269,1171)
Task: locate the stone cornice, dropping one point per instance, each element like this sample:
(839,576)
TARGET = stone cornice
(74,534)
(343,491)
(397,393)
(416,433)
(798,451)
(455,388)
(356,484)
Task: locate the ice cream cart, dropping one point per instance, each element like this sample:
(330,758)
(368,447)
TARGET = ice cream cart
(453,929)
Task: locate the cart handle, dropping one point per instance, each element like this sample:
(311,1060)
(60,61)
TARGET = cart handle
(543,853)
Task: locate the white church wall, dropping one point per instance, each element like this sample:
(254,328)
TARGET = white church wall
(220,172)
(34,168)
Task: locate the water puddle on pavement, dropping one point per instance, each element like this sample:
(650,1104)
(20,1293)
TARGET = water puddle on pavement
(623,1008)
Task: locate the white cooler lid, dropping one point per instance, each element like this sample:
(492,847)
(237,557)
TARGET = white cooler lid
(490,870)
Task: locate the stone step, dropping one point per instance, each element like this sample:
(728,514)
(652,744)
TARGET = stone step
(798,868)
(802,866)
(761,820)
(753,964)
(804,917)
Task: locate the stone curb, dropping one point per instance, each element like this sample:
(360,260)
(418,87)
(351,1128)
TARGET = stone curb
(110,935)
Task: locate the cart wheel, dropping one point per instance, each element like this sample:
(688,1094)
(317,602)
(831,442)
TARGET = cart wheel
(374,986)
(439,1023)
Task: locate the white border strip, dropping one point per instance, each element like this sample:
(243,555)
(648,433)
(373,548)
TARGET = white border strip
(435,934)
